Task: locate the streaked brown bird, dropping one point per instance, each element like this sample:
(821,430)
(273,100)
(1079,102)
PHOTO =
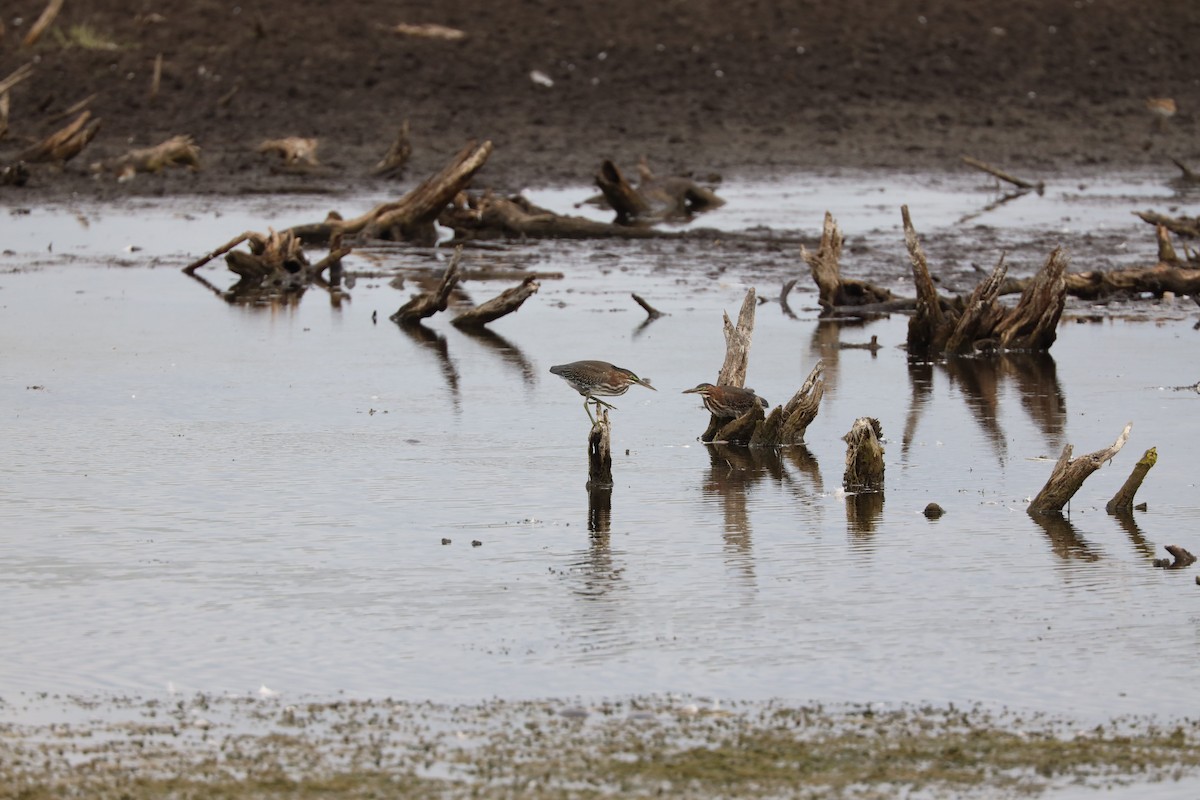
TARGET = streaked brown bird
(592,378)
(727,402)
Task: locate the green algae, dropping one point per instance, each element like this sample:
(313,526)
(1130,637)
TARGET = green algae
(643,747)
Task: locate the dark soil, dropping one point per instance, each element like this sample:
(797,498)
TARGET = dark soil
(701,86)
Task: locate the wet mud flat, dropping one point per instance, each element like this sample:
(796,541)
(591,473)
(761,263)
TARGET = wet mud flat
(266,746)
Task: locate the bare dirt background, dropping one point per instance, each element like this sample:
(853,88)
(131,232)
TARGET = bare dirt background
(700,86)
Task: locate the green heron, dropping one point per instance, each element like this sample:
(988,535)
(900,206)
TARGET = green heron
(727,402)
(591,378)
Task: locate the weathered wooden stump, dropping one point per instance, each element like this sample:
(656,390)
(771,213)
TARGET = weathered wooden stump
(600,452)
(1069,474)
(1122,501)
(786,424)
(864,456)
(835,293)
(983,323)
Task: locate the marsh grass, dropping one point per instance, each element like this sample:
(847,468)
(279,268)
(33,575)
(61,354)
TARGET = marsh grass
(646,747)
(84,37)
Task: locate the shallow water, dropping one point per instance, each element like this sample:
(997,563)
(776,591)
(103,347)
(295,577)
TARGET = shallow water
(217,497)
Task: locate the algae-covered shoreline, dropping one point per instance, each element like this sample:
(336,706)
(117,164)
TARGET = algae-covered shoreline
(268,746)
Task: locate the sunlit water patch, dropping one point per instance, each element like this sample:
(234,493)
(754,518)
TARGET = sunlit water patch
(219,497)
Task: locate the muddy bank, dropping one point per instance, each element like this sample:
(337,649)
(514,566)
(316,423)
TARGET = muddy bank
(1035,86)
(265,746)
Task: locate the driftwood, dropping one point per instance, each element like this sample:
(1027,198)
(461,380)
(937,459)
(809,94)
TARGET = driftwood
(651,311)
(864,456)
(1188,227)
(1025,185)
(654,199)
(65,143)
(1179,559)
(1097,284)
(411,218)
(983,324)
(506,302)
(487,216)
(833,291)
(43,22)
(429,303)
(396,159)
(1069,474)
(428,30)
(1122,501)
(276,267)
(16,76)
(178,151)
(296,152)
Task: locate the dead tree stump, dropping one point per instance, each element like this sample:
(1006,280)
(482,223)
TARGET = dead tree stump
(787,424)
(1122,501)
(864,456)
(600,453)
(1033,323)
(833,291)
(984,324)
(928,321)
(737,356)
(1069,474)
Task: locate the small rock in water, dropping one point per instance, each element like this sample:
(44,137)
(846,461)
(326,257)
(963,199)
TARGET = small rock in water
(933,511)
(476,543)
(445,540)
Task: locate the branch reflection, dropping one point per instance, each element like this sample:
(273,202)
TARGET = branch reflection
(1065,541)
(980,381)
(435,342)
(509,352)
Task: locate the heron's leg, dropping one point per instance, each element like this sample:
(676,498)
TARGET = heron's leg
(586,399)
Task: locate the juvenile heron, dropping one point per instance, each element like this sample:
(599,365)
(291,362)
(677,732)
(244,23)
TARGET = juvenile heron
(592,378)
(727,402)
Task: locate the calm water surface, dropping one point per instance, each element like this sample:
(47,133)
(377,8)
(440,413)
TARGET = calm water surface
(217,497)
